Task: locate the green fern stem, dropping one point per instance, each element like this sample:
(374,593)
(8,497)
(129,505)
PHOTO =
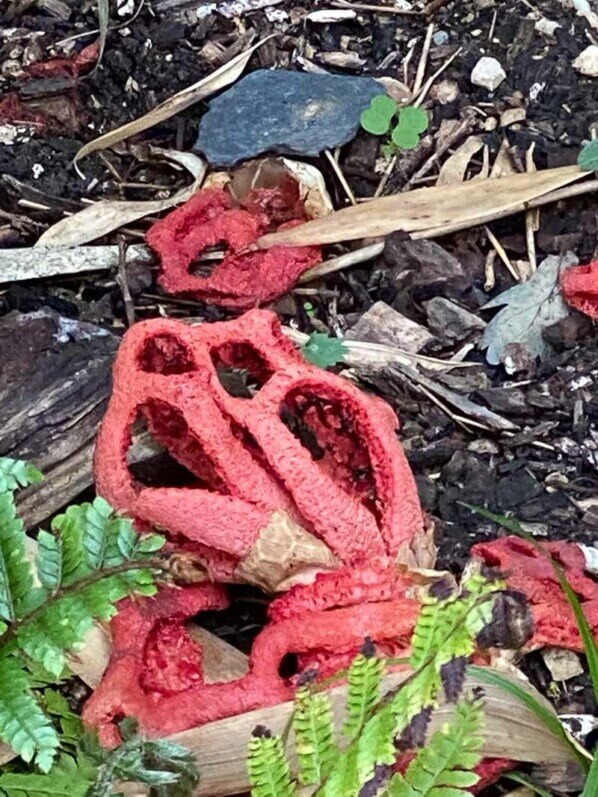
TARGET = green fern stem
(156,563)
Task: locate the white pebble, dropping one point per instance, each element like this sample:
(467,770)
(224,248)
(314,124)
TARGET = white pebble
(37,170)
(587,61)
(488,73)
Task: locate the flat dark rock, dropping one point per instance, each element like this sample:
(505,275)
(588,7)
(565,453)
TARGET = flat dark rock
(290,113)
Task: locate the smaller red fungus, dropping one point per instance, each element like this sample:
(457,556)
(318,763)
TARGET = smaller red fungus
(526,569)
(171,697)
(580,288)
(243,278)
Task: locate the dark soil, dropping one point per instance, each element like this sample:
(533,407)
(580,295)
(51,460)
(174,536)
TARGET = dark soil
(545,473)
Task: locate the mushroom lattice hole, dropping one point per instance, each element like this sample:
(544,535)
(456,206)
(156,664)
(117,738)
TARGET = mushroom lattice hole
(207,260)
(165,354)
(241,369)
(330,433)
(289,666)
(165,453)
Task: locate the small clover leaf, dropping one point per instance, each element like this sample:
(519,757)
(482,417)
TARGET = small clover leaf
(414,118)
(405,137)
(588,157)
(377,118)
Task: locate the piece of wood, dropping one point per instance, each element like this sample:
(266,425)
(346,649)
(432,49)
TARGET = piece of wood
(511,730)
(426,208)
(56,380)
(383,324)
(36,262)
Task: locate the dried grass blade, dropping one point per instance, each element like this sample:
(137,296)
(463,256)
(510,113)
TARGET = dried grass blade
(426,208)
(219,79)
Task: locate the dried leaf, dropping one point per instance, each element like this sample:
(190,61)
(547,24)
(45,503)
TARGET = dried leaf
(222,77)
(103,217)
(511,730)
(530,307)
(426,208)
(454,168)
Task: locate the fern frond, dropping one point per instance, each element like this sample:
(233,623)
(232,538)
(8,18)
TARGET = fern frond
(268,767)
(444,767)
(23,724)
(66,783)
(17,592)
(344,778)
(49,561)
(445,631)
(92,560)
(314,736)
(365,677)
(15,473)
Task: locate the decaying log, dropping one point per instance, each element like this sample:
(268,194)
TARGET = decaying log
(56,380)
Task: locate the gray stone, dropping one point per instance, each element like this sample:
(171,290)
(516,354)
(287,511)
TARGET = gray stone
(291,113)
(382,324)
(451,321)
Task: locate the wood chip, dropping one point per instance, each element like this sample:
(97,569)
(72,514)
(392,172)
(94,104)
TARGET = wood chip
(455,167)
(30,263)
(383,324)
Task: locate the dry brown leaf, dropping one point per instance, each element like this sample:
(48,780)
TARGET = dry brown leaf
(425,209)
(103,217)
(454,168)
(222,77)
(503,163)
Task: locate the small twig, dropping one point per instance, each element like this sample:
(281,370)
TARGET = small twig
(430,81)
(532,217)
(347,260)
(123,282)
(371,7)
(489,273)
(502,254)
(386,176)
(463,128)
(493,25)
(423,61)
(341,177)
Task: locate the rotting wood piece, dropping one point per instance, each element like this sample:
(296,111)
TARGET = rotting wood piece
(56,380)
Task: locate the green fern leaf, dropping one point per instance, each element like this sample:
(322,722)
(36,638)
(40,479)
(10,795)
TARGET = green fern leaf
(49,561)
(314,736)
(17,592)
(15,473)
(268,767)
(444,767)
(58,784)
(365,677)
(23,724)
(344,779)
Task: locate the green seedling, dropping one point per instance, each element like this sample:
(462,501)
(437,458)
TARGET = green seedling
(380,117)
(377,118)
